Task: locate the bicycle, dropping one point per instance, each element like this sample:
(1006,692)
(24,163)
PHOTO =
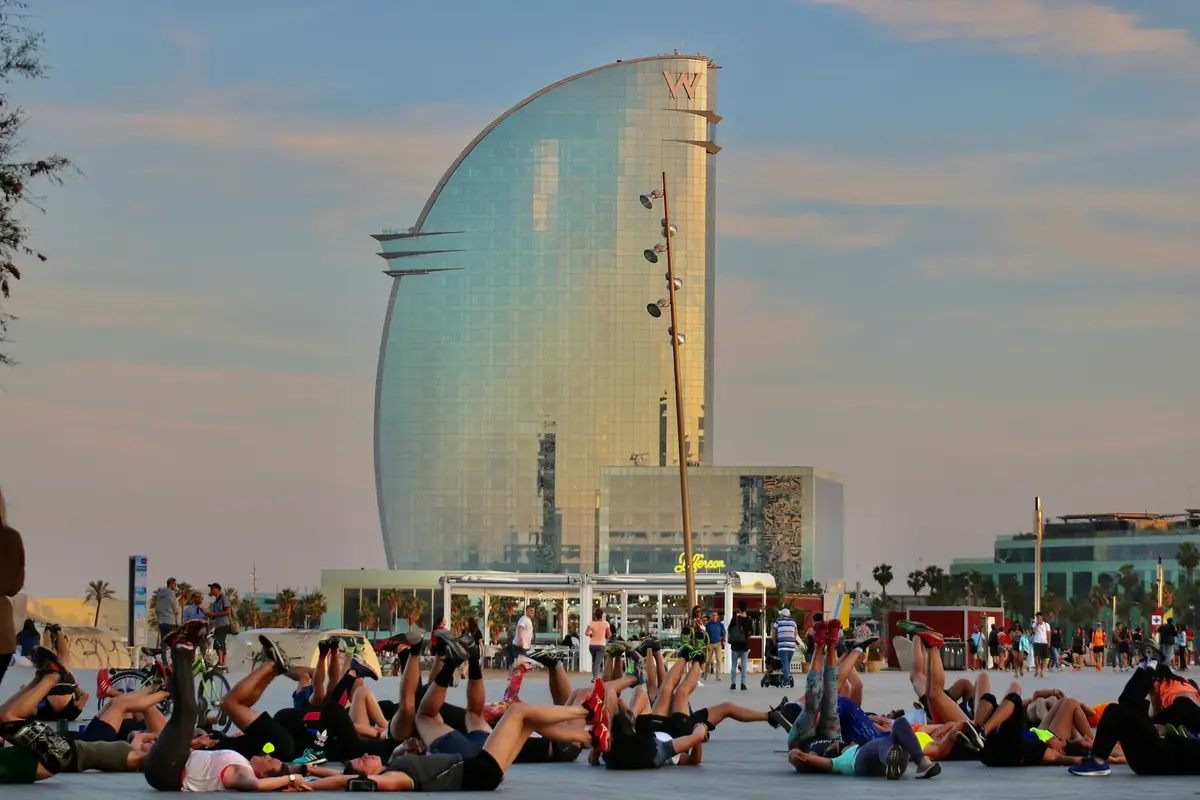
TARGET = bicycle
(212,685)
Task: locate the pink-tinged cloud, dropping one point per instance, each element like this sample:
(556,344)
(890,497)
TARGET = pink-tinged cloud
(819,231)
(1069,30)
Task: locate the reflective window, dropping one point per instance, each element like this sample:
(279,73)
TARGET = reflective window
(510,379)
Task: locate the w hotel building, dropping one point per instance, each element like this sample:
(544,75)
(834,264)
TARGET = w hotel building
(518,360)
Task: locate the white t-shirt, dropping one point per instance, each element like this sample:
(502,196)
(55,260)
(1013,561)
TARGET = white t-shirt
(1041,633)
(524,632)
(204,769)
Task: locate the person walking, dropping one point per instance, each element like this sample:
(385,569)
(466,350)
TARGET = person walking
(785,641)
(598,632)
(739,633)
(12,581)
(1166,642)
(716,644)
(1041,646)
(166,599)
(220,614)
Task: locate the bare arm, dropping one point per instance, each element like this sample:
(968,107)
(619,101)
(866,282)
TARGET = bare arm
(1052,756)
(241,779)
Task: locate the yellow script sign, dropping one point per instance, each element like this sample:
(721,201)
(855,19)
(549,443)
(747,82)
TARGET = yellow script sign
(699,563)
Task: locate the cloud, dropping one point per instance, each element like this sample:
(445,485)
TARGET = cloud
(1065,30)
(1015,219)
(820,231)
(1088,314)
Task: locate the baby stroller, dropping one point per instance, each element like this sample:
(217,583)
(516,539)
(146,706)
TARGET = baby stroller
(773,669)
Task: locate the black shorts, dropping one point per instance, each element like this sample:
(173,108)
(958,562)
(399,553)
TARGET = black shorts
(99,731)
(481,773)
(1041,651)
(678,725)
(1008,746)
(1123,648)
(264,736)
(1097,650)
(219,635)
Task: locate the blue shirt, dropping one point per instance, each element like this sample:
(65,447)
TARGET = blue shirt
(785,633)
(193,612)
(715,631)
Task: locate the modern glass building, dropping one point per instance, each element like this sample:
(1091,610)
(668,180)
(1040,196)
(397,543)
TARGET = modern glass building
(787,521)
(1084,550)
(518,359)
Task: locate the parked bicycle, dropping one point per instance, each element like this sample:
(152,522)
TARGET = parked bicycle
(211,683)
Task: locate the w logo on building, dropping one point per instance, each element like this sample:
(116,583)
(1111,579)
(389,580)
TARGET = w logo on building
(686,82)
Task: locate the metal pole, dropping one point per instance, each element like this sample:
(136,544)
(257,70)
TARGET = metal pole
(1160,582)
(1038,524)
(689,568)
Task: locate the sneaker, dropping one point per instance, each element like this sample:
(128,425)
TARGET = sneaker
(547,658)
(103,683)
(1090,768)
(818,634)
(743,687)
(912,626)
(311,757)
(452,650)
(526,663)
(974,735)
(930,770)
(633,669)
(46,662)
(595,702)
(862,644)
(776,719)
(325,645)
(1151,651)
(273,652)
(930,638)
(833,631)
(415,635)
(733,686)
(189,634)
(967,742)
(362,669)
(645,644)
(602,732)
(895,763)
(617,648)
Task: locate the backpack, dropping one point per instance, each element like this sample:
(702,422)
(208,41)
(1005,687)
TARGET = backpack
(736,635)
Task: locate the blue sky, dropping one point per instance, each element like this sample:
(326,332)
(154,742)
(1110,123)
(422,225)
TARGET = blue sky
(959,260)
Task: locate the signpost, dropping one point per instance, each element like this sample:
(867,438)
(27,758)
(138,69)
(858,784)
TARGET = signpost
(138,600)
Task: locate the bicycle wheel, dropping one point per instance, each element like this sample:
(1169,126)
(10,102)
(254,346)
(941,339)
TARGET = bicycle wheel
(211,691)
(130,680)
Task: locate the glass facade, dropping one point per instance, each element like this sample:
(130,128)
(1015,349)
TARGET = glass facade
(785,521)
(518,359)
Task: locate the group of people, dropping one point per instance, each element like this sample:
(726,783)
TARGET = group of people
(172,613)
(1042,647)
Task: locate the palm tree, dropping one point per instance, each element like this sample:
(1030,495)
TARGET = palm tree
(935,578)
(98,592)
(916,581)
(183,593)
(883,576)
(1052,605)
(285,607)
(974,585)
(313,607)
(1188,558)
(391,599)
(812,587)
(367,615)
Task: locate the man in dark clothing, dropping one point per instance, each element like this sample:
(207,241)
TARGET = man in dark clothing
(12,580)
(741,628)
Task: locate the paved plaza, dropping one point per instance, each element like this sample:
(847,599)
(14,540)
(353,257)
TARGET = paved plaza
(740,761)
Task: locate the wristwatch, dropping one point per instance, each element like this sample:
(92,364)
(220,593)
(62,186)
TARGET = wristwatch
(292,779)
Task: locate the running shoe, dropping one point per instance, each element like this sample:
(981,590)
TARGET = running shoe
(895,763)
(527,663)
(362,669)
(595,702)
(930,638)
(602,732)
(103,683)
(833,631)
(645,644)
(973,734)
(819,634)
(930,770)
(273,652)
(311,757)
(633,669)
(325,645)
(617,647)
(862,644)
(452,650)
(548,658)
(776,719)
(46,662)
(1151,652)
(415,635)
(1090,768)
(912,626)
(189,634)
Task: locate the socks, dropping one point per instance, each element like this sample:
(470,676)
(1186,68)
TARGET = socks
(475,670)
(445,676)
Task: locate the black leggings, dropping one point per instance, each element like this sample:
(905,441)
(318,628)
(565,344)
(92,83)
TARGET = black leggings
(1126,722)
(168,756)
(5,658)
(1182,712)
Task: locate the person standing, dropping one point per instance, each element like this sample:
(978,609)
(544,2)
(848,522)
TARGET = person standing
(598,633)
(219,614)
(785,641)
(12,581)
(716,643)
(1166,642)
(195,609)
(978,649)
(740,631)
(523,636)
(166,599)
(1041,645)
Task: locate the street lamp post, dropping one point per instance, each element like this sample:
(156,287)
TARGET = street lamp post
(1039,522)
(677,339)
